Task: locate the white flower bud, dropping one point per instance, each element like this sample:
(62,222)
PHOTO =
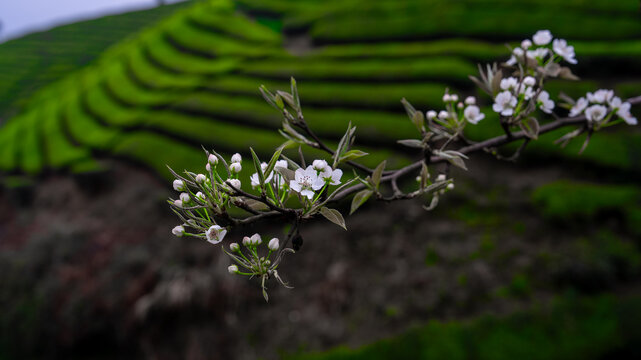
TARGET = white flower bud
(454,98)
(443,115)
(470,100)
(236,158)
(233,269)
(529,81)
(247,241)
(319,165)
(208,167)
(441,177)
(431,114)
(234,247)
(256,240)
(212,159)
(178,230)
(184,197)
(525,44)
(418,179)
(235,167)
(447,98)
(200,196)
(273,244)
(201,178)
(459,105)
(179,185)
(234,182)
(178,203)
(450,186)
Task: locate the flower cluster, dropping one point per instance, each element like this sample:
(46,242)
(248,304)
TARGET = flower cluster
(252,263)
(542,49)
(315,177)
(516,95)
(600,108)
(456,113)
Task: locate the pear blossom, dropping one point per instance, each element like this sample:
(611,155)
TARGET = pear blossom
(460,105)
(447,97)
(600,96)
(578,108)
(517,55)
(529,81)
(319,165)
(212,159)
(470,100)
(542,37)
(528,92)
(510,83)
(179,185)
(235,167)
(450,186)
(247,241)
(306,182)
(208,167)
(234,182)
(201,178)
(537,54)
(615,102)
(504,103)
(200,196)
(624,113)
(184,197)
(333,176)
(525,44)
(441,177)
(431,114)
(443,115)
(561,48)
(454,98)
(255,181)
(545,103)
(273,244)
(256,239)
(178,203)
(233,269)
(473,114)
(234,247)
(236,158)
(178,231)
(215,234)
(595,113)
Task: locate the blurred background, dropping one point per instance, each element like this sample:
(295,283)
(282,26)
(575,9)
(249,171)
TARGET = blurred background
(537,259)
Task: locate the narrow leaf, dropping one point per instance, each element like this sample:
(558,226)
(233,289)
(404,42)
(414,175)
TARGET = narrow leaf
(413,143)
(351,155)
(530,127)
(359,199)
(334,216)
(259,170)
(378,173)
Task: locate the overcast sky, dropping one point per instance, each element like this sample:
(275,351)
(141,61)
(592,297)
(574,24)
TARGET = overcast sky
(19,17)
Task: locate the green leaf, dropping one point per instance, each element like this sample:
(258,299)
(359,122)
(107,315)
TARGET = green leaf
(343,144)
(272,162)
(295,94)
(418,120)
(413,143)
(377,174)
(268,96)
(359,199)
(408,108)
(334,216)
(351,155)
(287,97)
(261,176)
(530,127)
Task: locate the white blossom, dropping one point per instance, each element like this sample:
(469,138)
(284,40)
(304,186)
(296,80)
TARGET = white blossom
(510,83)
(542,37)
(179,185)
(561,48)
(212,159)
(450,186)
(528,92)
(200,196)
(236,158)
(215,234)
(201,178)
(460,105)
(545,103)
(447,97)
(443,115)
(208,167)
(319,165)
(306,182)
(504,103)
(615,102)
(178,203)
(256,239)
(595,113)
(624,113)
(234,182)
(441,177)
(473,114)
(454,98)
(431,114)
(537,54)
(580,105)
(235,167)
(178,231)
(247,241)
(516,53)
(234,247)
(233,269)
(184,197)
(273,244)
(529,81)
(470,100)
(255,181)
(525,44)
(600,96)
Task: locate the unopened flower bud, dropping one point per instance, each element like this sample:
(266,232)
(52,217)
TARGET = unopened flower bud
(441,177)
(236,158)
(179,185)
(234,247)
(233,269)
(201,178)
(178,203)
(247,241)
(443,115)
(200,196)
(431,114)
(235,168)
(212,159)
(447,98)
(208,167)
(525,44)
(319,165)
(454,98)
(234,182)
(267,262)
(256,240)
(450,186)
(178,230)
(184,197)
(418,179)
(459,105)
(273,244)
(470,100)
(529,81)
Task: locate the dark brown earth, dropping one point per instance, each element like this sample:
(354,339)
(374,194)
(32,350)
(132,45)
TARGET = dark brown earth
(92,273)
